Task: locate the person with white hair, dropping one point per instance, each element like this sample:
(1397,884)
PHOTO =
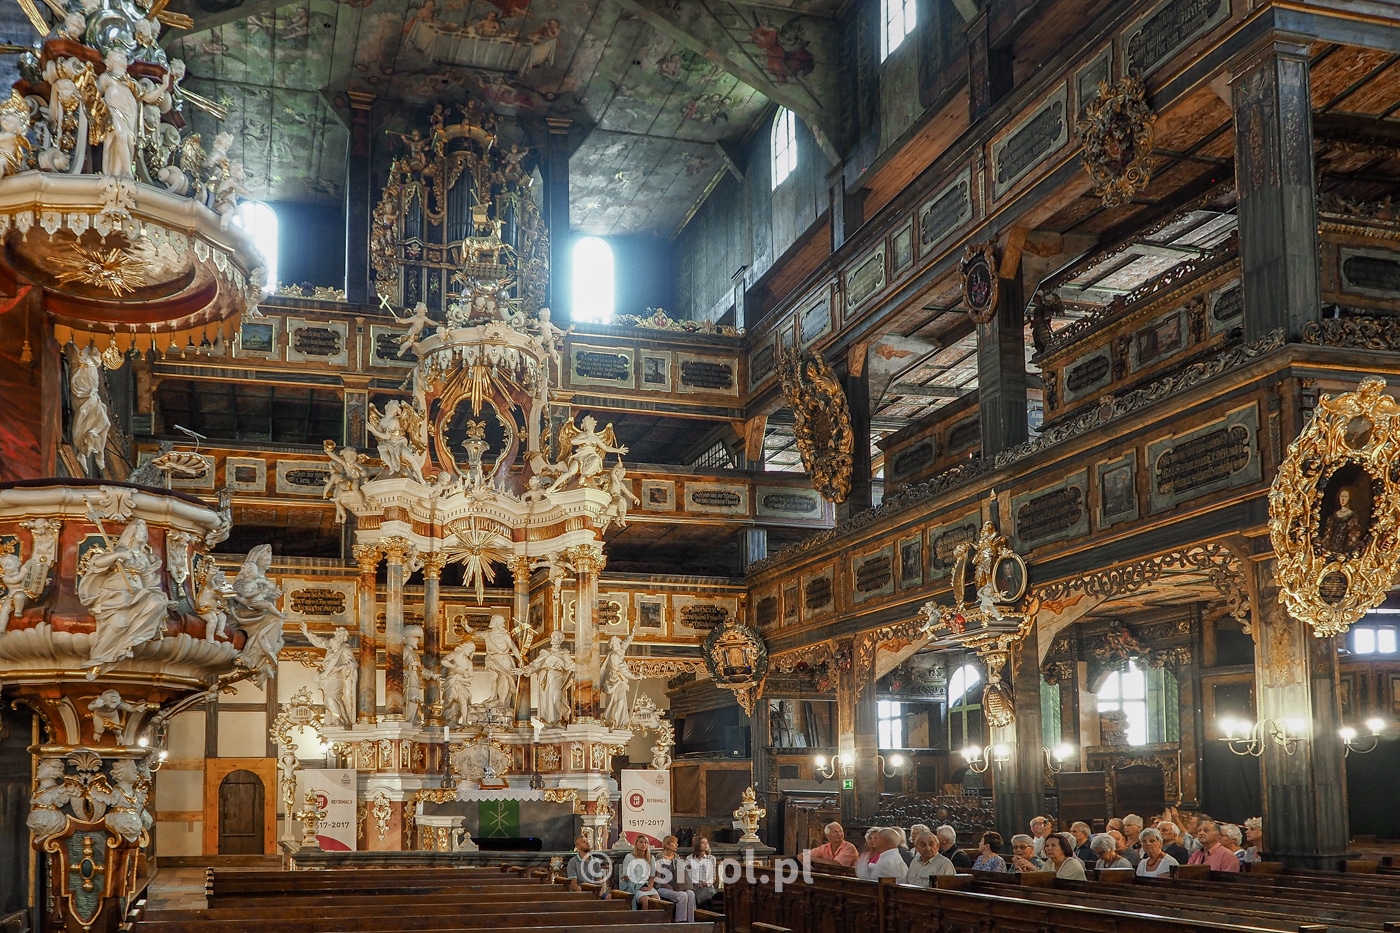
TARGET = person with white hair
(905,852)
(1254,835)
(1171,836)
(1154,862)
(948,842)
(1106,848)
(836,850)
(1132,831)
(1233,839)
(1023,856)
(881,859)
(928,862)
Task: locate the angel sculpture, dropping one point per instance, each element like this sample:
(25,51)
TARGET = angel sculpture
(347,473)
(417,323)
(122,589)
(399,428)
(125,797)
(211,603)
(14,574)
(621,492)
(587,449)
(14,129)
(51,794)
(253,605)
(109,710)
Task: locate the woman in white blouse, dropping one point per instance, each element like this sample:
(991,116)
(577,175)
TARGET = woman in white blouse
(1059,849)
(1154,861)
(702,872)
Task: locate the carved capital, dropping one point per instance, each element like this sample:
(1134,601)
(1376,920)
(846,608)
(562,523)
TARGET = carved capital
(433,563)
(367,557)
(396,549)
(587,558)
(519,566)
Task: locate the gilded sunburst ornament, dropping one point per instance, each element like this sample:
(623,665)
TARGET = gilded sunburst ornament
(113,269)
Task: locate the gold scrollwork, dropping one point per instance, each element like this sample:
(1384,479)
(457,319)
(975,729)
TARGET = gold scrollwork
(822,422)
(981,281)
(1116,132)
(1333,510)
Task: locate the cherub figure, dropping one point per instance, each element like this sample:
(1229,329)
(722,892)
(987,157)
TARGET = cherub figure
(399,428)
(14,129)
(51,794)
(347,473)
(417,323)
(211,603)
(588,448)
(621,492)
(109,710)
(12,574)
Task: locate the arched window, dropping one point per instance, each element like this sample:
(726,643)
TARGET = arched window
(595,287)
(784,145)
(259,221)
(964,708)
(897,19)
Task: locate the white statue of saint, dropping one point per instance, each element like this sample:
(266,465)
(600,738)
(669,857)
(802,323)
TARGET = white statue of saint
(346,476)
(457,681)
(398,431)
(502,656)
(118,92)
(13,598)
(617,677)
(414,677)
(51,794)
(91,421)
(121,588)
(253,605)
(339,675)
(552,674)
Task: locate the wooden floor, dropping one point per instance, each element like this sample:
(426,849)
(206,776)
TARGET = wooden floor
(177,889)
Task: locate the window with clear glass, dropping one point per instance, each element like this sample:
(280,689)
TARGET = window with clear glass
(964,708)
(897,20)
(595,284)
(259,221)
(1373,639)
(784,145)
(1127,690)
(890,717)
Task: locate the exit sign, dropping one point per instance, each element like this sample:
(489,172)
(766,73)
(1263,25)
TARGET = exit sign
(848,783)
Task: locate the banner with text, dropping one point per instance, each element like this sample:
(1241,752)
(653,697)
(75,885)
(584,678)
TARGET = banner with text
(335,793)
(646,805)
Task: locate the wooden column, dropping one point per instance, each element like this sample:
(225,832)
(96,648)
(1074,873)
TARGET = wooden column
(847,716)
(1001,373)
(432,632)
(588,561)
(367,558)
(1272,101)
(1295,685)
(520,576)
(867,746)
(555,165)
(397,553)
(359,201)
(1019,783)
(857,387)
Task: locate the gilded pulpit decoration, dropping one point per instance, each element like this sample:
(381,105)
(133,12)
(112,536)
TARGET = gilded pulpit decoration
(998,703)
(1333,510)
(737,660)
(1116,132)
(989,587)
(822,422)
(981,285)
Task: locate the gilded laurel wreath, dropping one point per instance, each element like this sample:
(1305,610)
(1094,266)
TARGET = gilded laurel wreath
(821,422)
(1333,510)
(1116,132)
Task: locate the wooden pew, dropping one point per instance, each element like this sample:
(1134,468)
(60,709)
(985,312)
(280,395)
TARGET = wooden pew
(405,920)
(376,907)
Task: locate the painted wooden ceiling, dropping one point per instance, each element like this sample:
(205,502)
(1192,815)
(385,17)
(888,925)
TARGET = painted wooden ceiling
(658,87)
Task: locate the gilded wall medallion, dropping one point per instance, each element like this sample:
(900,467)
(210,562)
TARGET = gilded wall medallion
(980,284)
(822,422)
(1116,132)
(1333,510)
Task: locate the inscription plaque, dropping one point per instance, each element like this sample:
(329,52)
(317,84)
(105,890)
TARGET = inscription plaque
(1162,33)
(315,601)
(943,542)
(703,616)
(703,374)
(814,322)
(716,498)
(307,477)
(1024,148)
(949,210)
(1226,306)
(816,593)
(603,367)
(964,435)
(1371,273)
(874,574)
(767,610)
(913,459)
(866,279)
(788,503)
(316,341)
(609,612)
(763,364)
(386,349)
(1053,513)
(1220,455)
(1088,374)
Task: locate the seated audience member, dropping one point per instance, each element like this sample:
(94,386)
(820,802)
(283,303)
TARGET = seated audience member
(905,852)
(1106,848)
(988,859)
(1189,827)
(1122,846)
(1170,843)
(1211,852)
(881,858)
(1232,838)
(928,861)
(917,830)
(702,872)
(1132,830)
(587,866)
(636,875)
(1082,834)
(1254,839)
(1023,854)
(1113,824)
(1041,827)
(1155,861)
(1059,851)
(948,842)
(836,850)
(667,878)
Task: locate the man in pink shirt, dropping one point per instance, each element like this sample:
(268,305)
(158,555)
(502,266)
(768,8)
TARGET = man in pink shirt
(1211,852)
(836,850)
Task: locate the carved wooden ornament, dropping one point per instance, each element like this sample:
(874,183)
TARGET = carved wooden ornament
(822,422)
(980,283)
(1116,132)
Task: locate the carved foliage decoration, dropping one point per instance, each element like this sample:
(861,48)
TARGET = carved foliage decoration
(981,285)
(737,659)
(822,422)
(1333,510)
(1116,132)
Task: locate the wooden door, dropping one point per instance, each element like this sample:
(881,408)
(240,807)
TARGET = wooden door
(241,814)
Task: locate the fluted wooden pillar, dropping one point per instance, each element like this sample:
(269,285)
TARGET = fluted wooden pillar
(397,552)
(367,558)
(588,561)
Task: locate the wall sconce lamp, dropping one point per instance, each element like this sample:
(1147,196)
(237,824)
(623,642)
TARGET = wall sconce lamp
(1245,738)
(826,770)
(891,766)
(157,757)
(1348,734)
(980,759)
(1056,757)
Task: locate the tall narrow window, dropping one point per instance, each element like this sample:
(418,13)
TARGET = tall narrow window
(595,287)
(1127,691)
(890,716)
(784,145)
(259,221)
(964,708)
(897,19)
